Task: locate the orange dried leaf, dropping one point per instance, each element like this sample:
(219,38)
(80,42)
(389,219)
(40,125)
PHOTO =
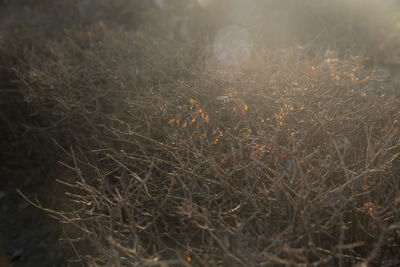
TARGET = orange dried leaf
(310,70)
(368,204)
(371,211)
(171,121)
(185,124)
(397,201)
(333,74)
(207,119)
(193,120)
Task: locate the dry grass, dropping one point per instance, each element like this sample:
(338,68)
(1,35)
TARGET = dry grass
(297,164)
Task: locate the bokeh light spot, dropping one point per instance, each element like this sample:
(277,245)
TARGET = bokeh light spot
(233,45)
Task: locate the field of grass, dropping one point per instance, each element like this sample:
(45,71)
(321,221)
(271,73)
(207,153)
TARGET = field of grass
(166,156)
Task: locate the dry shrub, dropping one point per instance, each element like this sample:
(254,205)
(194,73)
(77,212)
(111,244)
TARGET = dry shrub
(175,159)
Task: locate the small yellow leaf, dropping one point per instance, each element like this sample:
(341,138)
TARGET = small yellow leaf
(281,123)
(246,107)
(192,101)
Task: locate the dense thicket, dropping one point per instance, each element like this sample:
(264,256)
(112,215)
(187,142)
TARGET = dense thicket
(172,158)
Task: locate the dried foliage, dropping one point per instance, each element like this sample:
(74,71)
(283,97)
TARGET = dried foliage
(174,159)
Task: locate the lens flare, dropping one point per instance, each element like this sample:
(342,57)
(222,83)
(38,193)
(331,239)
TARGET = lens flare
(160,3)
(233,45)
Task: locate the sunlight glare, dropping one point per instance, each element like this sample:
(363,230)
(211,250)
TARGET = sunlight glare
(247,13)
(205,3)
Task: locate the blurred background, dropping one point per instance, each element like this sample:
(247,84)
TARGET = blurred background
(351,27)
